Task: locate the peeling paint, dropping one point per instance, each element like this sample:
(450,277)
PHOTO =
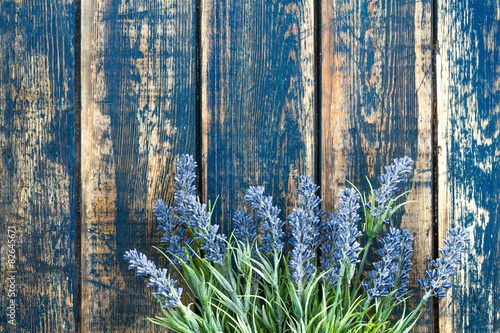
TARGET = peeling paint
(37,163)
(468,102)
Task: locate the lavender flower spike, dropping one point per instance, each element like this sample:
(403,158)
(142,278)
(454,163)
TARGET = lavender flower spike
(341,249)
(273,226)
(393,270)
(244,228)
(189,213)
(303,235)
(174,234)
(404,263)
(395,174)
(310,202)
(438,279)
(214,244)
(349,205)
(165,287)
(185,174)
(309,199)
(185,196)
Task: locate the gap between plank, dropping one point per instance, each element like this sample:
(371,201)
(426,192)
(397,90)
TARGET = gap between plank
(198,120)
(435,183)
(317,87)
(78,153)
(317,104)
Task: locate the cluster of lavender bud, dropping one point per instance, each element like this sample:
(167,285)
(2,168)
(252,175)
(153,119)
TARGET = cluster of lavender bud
(404,264)
(184,184)
(395,174)
(244,227)
(187,213)
(305,225)
(214,244)
(310,202)
(336,237)
(272,227)
(438,278)
(174,236)
(340,231)
(165,286)
(303,235)
(394,268)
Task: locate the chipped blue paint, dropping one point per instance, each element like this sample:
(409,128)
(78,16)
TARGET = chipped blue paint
(470,53)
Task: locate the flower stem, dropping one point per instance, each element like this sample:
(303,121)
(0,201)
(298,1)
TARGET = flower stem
(358,276)
(414,312)
(279,315)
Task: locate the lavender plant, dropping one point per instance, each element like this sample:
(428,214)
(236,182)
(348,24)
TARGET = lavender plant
(249,282)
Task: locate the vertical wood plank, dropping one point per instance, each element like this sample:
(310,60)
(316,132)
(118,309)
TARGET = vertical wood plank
(138,113)
(377,106)
(257,100)
(37,165)
(468,85)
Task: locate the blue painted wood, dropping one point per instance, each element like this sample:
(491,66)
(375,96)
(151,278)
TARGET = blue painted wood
(37,167)
(376,93)
(138,93)
(258,128)
(469,147)
(258,100)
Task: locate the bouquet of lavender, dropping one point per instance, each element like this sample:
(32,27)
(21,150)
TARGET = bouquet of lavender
(249,283)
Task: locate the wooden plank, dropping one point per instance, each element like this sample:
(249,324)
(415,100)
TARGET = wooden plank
(468,86)
(37,165)
(257,101)
(377,106)
(138,113)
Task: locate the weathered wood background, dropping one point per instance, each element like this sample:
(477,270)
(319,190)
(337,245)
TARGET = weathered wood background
(98,97)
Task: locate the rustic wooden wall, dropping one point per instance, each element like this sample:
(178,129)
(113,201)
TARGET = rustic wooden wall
(468,102)
(258,95)
(138,112)
(37,164)
(376,105)
(260,92)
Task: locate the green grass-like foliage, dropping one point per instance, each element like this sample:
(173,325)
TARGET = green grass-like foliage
(240,285)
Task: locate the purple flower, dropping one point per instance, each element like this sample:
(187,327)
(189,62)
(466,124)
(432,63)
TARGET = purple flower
(395,175)
(165,286)
(185,196)
(272,227)
(303,235)
(393,270)
(349,205)
(213,243)
(188,212)
(340,234)
(244,227)
(310,202)
(437,281)
(404,263)
(174,237)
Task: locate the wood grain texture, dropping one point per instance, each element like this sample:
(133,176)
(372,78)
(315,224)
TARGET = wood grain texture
(468,85)
(257,101)
(377,106)
(37,164)
(138,113)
